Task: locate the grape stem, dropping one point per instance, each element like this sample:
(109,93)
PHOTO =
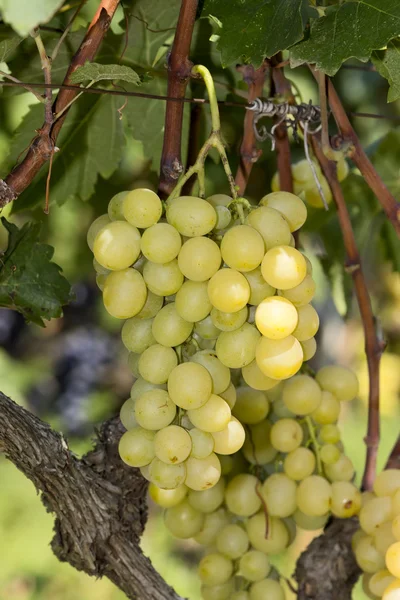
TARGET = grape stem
(314,441)
(214,141)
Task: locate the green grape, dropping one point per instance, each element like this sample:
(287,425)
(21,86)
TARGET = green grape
(229,395)
(220,374)
(367,556)
(183,521)
(290,206)
(383,535)
(172,444)
(213,523)
(209,500)
(254,565)
(133,363)
(380,581)
(283,267)
(276,317)
(329,434)
(136,447)
(271,225)
(256,379)
(206,329)
(169,329)
(202,473)
(94,229)
(314,495)
(242,595)
(167,498)
(101,281)
(346,499)
(279,493)
(279,359)
(341,470)
(242,248)
(302,172)
(224,217)
(299,463)
(124,293)
(393,559)
(232,541)
(237,348)
(339,381)
(190,385)
(127,414)
(230,439)
(202,443)
(228,321)
(199,258)
(227,464)
(241,496)
(286,435)
(115,207)
(99,269)
(301,294)
(117,245)
(328,411)
(278,535)
(154,409)
(151,307)
(219,200)
(308,323)
(215,569)
(161,243)
(212,416)
(156,363)
(223,591)
(309,523)
(192,302)
(137,335)
(267,588)
(309,348)
(228,290)
(387,482)
(280,410)
(251,406)
(163,280)
(191,216)
(330,454)
(377,511)
(259,288)
(142,208)
(257,447)
(312,195)
(167,476)
(302,395)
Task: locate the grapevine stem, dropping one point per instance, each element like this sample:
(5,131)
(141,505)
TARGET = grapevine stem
(212,96)
(315,443)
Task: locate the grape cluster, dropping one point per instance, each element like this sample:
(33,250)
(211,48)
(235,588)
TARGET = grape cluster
(304,181)
(377,543)
(238,446)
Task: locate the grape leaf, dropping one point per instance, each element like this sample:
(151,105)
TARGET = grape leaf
(8,42)
(254,29)
(349,30)
(23,15)
(387,64)
(29,282)
(97,72)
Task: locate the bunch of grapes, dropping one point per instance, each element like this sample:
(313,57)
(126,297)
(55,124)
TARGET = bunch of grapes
(239,448)
(304,183)
(377,543)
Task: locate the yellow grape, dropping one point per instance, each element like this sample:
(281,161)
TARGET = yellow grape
(127,414)
(163,279)
(167,476)
(199,258)
(309,348)
(230,439)
(151,307)
(161,243)
(100,281)
(279,493)
(276,317)
(224,217)
(283,267)
(209,500)
(383,537)
(172,444)
(312,195)
(94,229)
(220,374)
(167,498)
(380,581)
(117,245)
(279,359)
(213,523)
(271,225)
(215,569)
(219,199)
(202,443)
(291,206)
(259,288)
(278,535)
(141,385)
(202,473)
(156,363)
(301,294)
(183,521)
(228,290)
(286,435)
(314,495)
(308,323)
(124,293)
(267,588)
(229,395)
(346,499)
(190,385)
(310,523)
(339,381)
(212,416)
(392,591)
(256,379)
(136,334)
(302,395)
(299,463)
(192,302)
(154,409)
(142,208)
(136,447)
(241,496)
(387,482)
(367,556)
(257,447)
(206,329)
(254,565)
(228,321)
(115,207)
(341,470)
(191,216)
(328,410)
(251,406)
(232,541)
(237,348)
(169,329)
(223,591)
(242,248)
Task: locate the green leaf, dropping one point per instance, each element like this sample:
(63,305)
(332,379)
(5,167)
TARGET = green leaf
(386,162)
(25,15)
(254,29)
(97,72)
(29,282)
(8,42)
(387,64)
(350,30)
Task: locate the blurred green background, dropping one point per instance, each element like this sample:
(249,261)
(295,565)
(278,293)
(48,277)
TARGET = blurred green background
(73,372)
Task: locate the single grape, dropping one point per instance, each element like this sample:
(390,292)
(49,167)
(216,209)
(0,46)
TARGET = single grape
(230,439)
(309,348)
(99,269)
(172,444)
(279,359)
(339,381)
(241,496)
(215,569)
(115,207)
(383,537)
(314,495)
(271,225)
(141,385)
(254,565)
(232,541)
(267,588)
(136,447)
(199,258)
(191,216)
(312,194)
(346,499)
(374,513)
(167,498)
(224,217)
(137,335)
(213,523)
(302,395)
(286,435)
(290,206)
(251,406)
(161,243)
(392,591)
(223,591)
(142,208)
(229,395)
(283,267)
(101,281)
(220,374)
(329,434)
(276,317)
(301,294)
(202,473)
(202,443)
(328,410)
(169,329)
(219,200)
(228,321)
(256,379)
(308,323)
(380,581)
(242,595)
(206,329)
(156,363)
(190,385)
(257,447)
(387,482)
(117,245)
(151,307)
(310,523)
(279,493)
(94,229)
(341,470)
(242,248)
(276,540)
(330,454)
(154,409)
(299,463)
(167,476)
(183,521)
(259,288)
(228,290)
(163,279)
(212,416)
(209,500)
(192,302)
(237,348)
(127,414)
(124,293)
(367,556)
